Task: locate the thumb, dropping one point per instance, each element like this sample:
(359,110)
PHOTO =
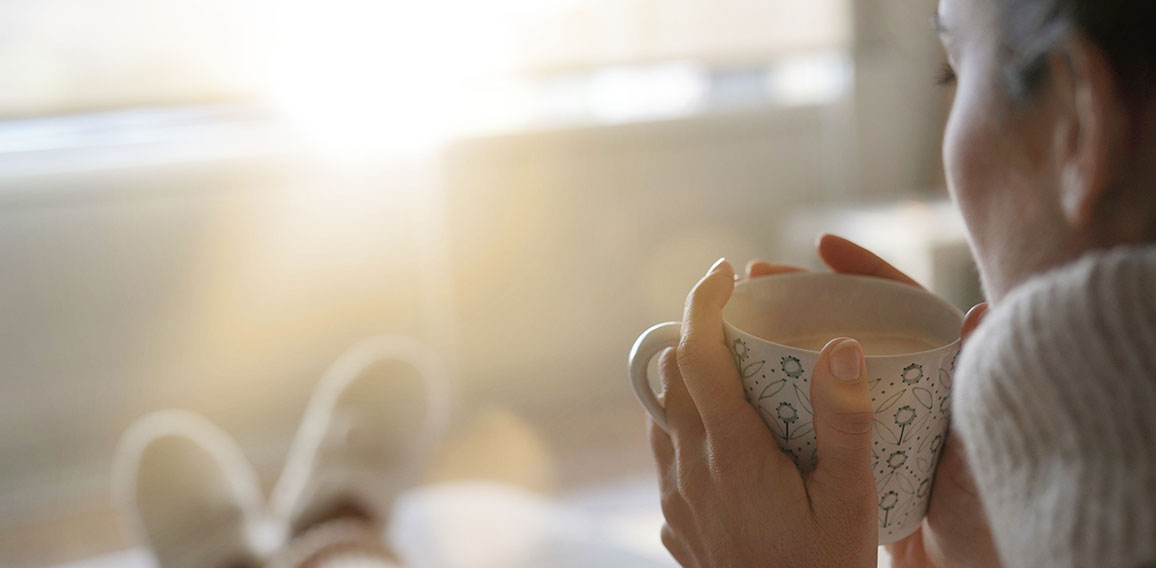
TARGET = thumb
(843,414)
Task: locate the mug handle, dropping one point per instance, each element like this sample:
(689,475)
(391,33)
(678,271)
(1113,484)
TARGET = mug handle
(649,344)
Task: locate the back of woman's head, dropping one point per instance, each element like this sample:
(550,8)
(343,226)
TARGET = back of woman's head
(1122,28)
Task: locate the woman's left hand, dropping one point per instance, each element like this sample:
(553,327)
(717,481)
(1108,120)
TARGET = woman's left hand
(729,495)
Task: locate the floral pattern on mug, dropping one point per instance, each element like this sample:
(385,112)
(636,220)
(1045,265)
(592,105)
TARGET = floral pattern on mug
(910,409)
(791,366)
(913,373)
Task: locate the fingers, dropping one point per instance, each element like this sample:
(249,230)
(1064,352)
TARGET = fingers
(674,506)
(846,257)
(706,364)
(759,268)
(843,416)
(681,415)
(972,320)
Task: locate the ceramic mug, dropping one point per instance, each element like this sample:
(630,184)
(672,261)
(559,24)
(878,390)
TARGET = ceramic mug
(776,325)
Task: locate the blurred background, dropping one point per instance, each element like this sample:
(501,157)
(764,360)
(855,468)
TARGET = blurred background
(204,202)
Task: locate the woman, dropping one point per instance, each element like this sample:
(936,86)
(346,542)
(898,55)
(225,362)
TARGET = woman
(1050,152)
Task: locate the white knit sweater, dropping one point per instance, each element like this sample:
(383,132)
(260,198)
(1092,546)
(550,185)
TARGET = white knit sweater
(1056,403)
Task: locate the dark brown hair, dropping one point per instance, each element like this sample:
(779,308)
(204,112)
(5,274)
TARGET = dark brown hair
(1123,28)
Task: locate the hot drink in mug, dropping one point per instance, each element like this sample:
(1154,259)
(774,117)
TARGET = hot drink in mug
(775,326)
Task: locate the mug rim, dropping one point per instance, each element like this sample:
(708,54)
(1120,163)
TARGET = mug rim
(872,280)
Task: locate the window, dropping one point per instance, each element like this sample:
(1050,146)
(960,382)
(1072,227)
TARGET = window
(67,56)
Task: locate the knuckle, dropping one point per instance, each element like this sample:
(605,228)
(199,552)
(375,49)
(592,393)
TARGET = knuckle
(688,352)
(691,356)
(670,539)
(853,423)
(691,483)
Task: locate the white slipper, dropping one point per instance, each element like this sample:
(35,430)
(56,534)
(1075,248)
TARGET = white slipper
(186,491)
(367,432)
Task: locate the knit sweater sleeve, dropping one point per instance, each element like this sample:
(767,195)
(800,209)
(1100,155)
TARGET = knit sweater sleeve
(1056,402)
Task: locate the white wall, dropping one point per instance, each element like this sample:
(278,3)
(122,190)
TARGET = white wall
(226,287)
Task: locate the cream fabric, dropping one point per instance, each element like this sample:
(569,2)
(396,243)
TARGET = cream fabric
(1056,403)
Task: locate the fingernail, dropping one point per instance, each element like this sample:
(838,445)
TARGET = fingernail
(976,315)
(717,265)
(845,360)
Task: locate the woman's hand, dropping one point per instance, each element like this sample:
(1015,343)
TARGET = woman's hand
(730,496)
(955,533)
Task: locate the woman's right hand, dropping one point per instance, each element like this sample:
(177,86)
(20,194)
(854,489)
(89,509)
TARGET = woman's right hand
(955,532)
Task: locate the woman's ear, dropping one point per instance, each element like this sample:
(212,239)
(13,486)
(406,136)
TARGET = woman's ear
(1091,138)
